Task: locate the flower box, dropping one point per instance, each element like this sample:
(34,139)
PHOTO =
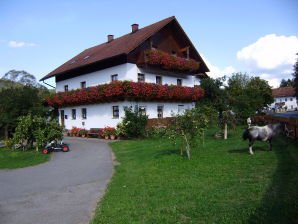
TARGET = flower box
(120,90)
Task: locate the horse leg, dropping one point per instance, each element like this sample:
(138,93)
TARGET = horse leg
(250,147)
(270,145)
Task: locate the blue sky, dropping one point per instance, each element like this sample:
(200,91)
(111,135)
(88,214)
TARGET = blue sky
(259,37)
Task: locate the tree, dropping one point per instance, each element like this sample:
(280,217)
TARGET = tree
(20,101)
(285,83)
(295,74)
(215,95)
(248,94)
(22,78)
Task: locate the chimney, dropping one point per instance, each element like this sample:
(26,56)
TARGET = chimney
(134,28)
(110,38)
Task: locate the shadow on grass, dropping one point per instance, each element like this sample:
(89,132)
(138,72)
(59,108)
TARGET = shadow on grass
(280,203)
(245,150)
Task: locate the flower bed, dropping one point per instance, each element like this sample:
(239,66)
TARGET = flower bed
(171,62)
(120,90)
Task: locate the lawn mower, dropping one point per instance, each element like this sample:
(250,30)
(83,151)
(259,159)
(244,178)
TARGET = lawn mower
(54,146)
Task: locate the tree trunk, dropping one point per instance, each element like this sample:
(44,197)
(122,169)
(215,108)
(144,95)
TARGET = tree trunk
(226,131)
(6,132)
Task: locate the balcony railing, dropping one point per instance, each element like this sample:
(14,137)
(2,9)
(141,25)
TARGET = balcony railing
(121,90)
(167,61)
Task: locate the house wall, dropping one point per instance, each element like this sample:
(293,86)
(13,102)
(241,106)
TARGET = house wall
(290,102)
(100,115)
(127,71)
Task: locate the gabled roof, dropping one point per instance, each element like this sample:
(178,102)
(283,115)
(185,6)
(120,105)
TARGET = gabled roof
(284,91)
(119,46)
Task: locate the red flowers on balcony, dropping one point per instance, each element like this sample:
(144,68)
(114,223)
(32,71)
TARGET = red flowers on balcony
(120,90)
(170,62)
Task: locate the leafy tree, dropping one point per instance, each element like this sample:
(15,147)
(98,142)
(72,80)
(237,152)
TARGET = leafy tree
(215,95)
(285,83)
(36,129)
(23,78)
(246,95)
(20,101)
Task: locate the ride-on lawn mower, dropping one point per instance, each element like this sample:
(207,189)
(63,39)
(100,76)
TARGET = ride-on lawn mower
(54,146)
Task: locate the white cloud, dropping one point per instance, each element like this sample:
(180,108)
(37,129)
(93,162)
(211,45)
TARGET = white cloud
(271,57)
(20,44)
(215,72)
(270,52)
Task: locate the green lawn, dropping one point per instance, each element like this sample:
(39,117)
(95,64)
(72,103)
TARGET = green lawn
(13,158)
(222,183)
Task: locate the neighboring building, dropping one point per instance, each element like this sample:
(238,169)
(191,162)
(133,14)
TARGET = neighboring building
(284,99)
(160,53)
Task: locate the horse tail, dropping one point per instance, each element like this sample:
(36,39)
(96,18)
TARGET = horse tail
(245,134)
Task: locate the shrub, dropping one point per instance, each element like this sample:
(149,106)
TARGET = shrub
(133,124)
(82,132)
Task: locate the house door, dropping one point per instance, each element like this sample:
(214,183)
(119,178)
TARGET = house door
(62,117)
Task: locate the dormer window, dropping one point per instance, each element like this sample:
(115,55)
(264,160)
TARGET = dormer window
(83,85)
(87,56)
(114,77)
(73,61)
(174,53)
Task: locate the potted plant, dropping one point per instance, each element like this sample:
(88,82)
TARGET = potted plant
(83,133)
(110,132)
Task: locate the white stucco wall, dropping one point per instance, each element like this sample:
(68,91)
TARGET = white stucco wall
(125,71)
(100,115)
(290,102)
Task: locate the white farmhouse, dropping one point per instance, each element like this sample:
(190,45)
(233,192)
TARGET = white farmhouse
(284,99)
(155,69)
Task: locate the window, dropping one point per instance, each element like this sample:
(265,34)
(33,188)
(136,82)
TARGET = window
(286,99)
(179,82)
(66,88)
(83,85)
(174,53)
(141,77)
(114,77)
(291,99)
(84,113)
(159,111)
(142,110)
(87,56)
(73,114)
(72,62)
(158,80)
(180,109)
(115,111)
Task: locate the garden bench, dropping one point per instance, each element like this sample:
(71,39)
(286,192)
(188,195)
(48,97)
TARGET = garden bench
(94,132)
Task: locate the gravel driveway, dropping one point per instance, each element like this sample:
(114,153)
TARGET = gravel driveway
(63,190)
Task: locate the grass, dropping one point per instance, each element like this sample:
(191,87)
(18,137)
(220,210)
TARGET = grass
(14,158)
(221,183)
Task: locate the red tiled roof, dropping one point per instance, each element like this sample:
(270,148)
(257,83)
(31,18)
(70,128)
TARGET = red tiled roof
(283,91)
(121,45)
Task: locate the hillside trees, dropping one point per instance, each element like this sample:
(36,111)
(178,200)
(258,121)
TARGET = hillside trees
(18,98)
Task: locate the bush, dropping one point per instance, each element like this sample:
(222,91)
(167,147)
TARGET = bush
(133,124)
(35,129)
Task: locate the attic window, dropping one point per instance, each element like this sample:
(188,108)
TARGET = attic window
(72,62)
(87,56)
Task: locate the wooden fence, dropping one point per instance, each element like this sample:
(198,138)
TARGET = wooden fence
(291,123)
(159,122)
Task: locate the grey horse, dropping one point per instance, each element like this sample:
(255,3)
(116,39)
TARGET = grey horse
(264,133)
